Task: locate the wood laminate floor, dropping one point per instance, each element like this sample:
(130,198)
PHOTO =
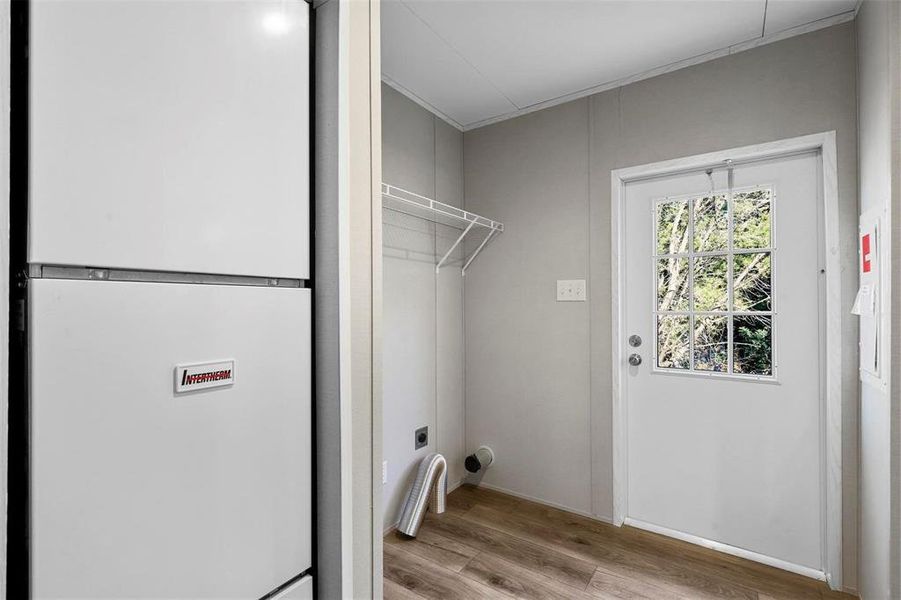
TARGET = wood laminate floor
(491,545)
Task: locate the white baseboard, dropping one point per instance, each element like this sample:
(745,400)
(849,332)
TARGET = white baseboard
(727,549)
(581,513)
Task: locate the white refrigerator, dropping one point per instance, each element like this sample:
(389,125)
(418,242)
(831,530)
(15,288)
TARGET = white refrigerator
(169,299)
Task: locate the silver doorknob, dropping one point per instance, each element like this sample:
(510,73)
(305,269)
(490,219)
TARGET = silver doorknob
(635,341)
(634,360)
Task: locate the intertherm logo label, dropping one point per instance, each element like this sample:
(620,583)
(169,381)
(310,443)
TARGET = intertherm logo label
(202,376)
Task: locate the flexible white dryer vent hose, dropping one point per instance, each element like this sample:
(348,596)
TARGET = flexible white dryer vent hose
(431,481)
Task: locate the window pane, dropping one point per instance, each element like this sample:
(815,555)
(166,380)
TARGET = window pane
(672,227)
(752,344)
(711,224)
(672,342)
(752,274)
(710,287)
(711,343)
(672,284)
(751,217)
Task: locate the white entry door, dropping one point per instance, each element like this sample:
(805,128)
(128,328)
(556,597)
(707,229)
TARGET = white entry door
(722,281)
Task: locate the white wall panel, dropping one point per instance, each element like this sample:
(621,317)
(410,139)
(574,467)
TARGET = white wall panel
(409,362)
(170,136)
(449,306)
(876,37)
(423,311)
(410,353)
(527,355)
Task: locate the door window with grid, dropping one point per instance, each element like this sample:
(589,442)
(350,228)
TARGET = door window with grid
(713,260)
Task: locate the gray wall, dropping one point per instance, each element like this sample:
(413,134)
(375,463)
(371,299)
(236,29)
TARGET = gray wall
(422,311)
(538,375)
(325,298)
(527,356)
(878,60)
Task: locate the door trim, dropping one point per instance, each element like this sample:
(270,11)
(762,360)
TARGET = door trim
(831,401)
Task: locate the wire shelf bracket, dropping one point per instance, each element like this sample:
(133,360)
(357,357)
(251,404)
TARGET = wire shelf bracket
(403,201)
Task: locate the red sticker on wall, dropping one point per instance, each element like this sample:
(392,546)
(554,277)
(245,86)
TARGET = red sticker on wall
(865,252)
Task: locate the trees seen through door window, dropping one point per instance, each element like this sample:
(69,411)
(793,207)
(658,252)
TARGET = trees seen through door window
(714,274)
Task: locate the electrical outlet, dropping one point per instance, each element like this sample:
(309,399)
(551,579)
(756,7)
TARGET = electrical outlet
(384,471)
(570,290)
(421,438)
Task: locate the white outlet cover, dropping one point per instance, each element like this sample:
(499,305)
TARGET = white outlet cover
(384,471)
(571,290)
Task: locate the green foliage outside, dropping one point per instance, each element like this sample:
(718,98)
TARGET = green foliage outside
(751,282)
(752,345)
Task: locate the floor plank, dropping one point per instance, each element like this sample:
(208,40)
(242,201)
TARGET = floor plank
(543,560)
(519,582)
(781,585)
(430,580)
(778,584)
(663,571)
(432,546)
(828,594)
(467,496)
(394,591)
(606,584)
(517,548)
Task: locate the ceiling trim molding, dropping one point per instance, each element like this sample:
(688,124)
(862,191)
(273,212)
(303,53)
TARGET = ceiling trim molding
(669,68)
(386,79)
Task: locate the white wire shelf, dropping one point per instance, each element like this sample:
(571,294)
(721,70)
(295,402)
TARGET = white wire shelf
(401,200)
(410,203)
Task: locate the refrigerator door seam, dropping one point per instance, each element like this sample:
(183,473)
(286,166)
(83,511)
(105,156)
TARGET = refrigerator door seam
(37,271)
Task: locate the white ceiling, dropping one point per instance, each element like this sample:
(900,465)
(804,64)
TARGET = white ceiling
(479,61)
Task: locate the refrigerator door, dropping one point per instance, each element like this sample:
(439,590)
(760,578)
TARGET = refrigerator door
(170,135)
(139,491)
(300,590)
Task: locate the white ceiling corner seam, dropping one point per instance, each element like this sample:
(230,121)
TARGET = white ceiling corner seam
(782,16)
(458,53)
(675,66)
(411,95)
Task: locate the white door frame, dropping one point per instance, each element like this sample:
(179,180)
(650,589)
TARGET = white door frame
(831,406)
